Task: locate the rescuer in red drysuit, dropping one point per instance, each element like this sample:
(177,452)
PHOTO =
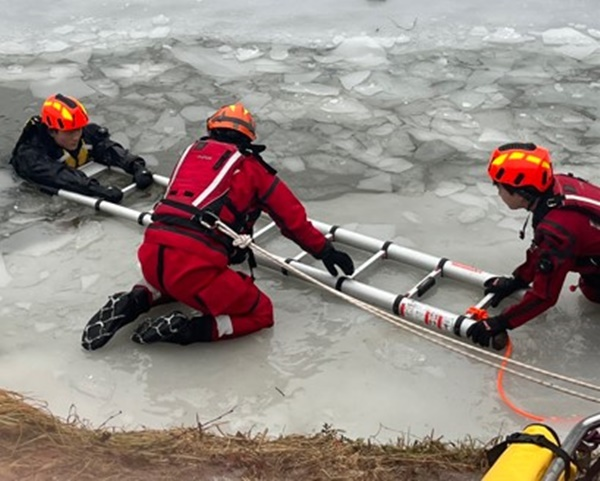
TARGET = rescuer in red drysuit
(222,174)
(566,221)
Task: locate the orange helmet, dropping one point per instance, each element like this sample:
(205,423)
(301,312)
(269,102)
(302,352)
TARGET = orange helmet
(60,112)
(234,117)
(521,165)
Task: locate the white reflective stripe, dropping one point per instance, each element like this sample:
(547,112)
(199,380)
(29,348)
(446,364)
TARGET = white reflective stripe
(585,200)
(64,157)
(174,174)
(224,326)
(217,180)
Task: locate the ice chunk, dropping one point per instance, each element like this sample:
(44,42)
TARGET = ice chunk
(394,165)
(351,80)
(311,89)
(364,51)
(294,164)
(507,35)
(279,52)
(75,86)
(88,281)
(345,105)
(88,233)
(44,326)
(446,188)
(511,224)
(470,215)
(245,54)
(5,277)
(209,62)
(301,77)
(164,134)
(566,35)
(466,198)
(381,182)
(467,100)
(196,114)
(493,136)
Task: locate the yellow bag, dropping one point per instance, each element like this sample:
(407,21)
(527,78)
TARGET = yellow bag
(526,456)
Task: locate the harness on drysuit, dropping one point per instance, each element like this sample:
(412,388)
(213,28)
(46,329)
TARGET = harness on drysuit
(570,193)
(196,208)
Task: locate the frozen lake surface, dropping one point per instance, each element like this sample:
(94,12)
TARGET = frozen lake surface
(382,124)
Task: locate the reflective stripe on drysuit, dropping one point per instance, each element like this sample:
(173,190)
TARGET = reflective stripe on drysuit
(80,159)
(566,239)
(188,263)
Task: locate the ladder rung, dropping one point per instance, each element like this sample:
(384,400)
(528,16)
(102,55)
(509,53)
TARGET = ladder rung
(264,230)
(370,261)
(424,284)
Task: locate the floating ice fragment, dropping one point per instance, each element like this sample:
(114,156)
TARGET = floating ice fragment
(75,86)
(566,35)
(479,31)
(507,35)
(245,54)
(195,114)
(311,89)
(88,281)
(48,46)
(161,20)
(279,52)
(343,105)
(493,136)
(294,164)
(466,198)
(470,215)
(446,188)
(363,50)
(353,79)
(44,326)
(382,182)
(63,30)
(301,77)
(88,233)
(5,277)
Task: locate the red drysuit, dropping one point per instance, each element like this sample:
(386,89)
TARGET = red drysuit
(189,263)
(566,239)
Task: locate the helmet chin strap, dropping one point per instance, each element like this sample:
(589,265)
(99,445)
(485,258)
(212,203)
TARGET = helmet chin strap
(522,231)
(529,208)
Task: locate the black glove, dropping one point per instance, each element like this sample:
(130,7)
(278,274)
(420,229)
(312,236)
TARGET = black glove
(331,257)
(483,331)
(109,193)
(503,287)
(141,176)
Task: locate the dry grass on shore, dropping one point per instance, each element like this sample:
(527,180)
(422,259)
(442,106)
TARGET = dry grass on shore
(35,445)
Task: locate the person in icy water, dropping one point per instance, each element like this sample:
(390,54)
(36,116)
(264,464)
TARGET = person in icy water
(566,238)
(221,175)
(55,143)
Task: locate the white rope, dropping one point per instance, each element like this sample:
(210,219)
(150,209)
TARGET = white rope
(437,338)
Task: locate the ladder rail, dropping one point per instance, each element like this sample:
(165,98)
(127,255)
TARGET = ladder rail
(450,269)
(402,305)
(398,304)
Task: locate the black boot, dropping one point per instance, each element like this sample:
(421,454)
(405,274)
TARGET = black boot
(121,309)
(176,328)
